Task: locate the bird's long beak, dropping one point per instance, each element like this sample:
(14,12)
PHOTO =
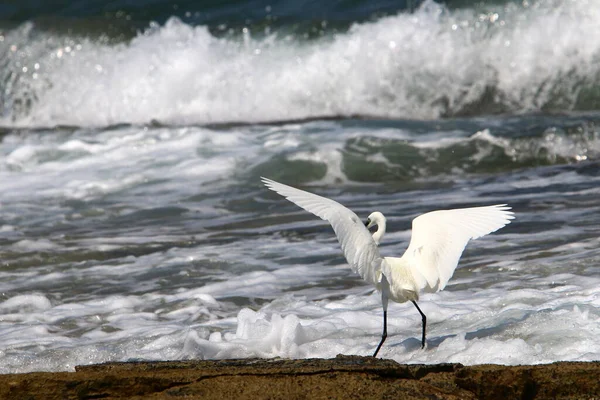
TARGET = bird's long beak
(368,223)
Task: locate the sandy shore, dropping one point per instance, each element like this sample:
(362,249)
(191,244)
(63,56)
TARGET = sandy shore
(345,377)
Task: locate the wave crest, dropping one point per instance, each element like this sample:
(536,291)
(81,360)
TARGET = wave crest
(429,64)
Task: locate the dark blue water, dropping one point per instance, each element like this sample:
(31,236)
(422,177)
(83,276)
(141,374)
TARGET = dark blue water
(205,12)
(127,17)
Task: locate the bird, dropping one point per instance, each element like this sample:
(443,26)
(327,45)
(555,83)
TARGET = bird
(437,242)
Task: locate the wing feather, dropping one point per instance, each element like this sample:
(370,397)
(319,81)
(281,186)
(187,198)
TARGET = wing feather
(358,246)
(439,238)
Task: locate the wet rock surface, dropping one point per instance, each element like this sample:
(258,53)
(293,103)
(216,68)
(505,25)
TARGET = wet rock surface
(347,377)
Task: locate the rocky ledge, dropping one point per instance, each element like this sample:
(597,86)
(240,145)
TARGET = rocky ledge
(345,377)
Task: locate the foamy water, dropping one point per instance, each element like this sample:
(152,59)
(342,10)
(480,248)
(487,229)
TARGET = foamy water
(156,241)
(160,243)
(552,318)
(434,62)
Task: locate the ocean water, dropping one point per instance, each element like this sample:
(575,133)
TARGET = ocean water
(133,224)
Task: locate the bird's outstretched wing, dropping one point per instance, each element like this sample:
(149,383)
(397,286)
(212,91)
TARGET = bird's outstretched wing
(357,244)
(439,238)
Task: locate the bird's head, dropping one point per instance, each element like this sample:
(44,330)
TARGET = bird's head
(375,218)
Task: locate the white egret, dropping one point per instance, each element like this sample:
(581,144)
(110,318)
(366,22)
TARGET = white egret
(437,242)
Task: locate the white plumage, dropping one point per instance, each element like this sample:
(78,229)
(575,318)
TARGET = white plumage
(437,242)
(357,244)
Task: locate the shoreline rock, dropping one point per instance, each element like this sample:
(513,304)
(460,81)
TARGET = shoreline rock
(347,377)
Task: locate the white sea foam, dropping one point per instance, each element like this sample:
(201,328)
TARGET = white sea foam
(26,302)
(540,312)
(518,326)
(419,65)
(82,166)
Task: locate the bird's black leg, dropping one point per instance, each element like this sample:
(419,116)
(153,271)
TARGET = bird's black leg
(424,319)
(384,334)
(385,294)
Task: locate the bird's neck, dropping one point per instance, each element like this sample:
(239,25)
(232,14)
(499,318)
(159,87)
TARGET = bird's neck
(378,235)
